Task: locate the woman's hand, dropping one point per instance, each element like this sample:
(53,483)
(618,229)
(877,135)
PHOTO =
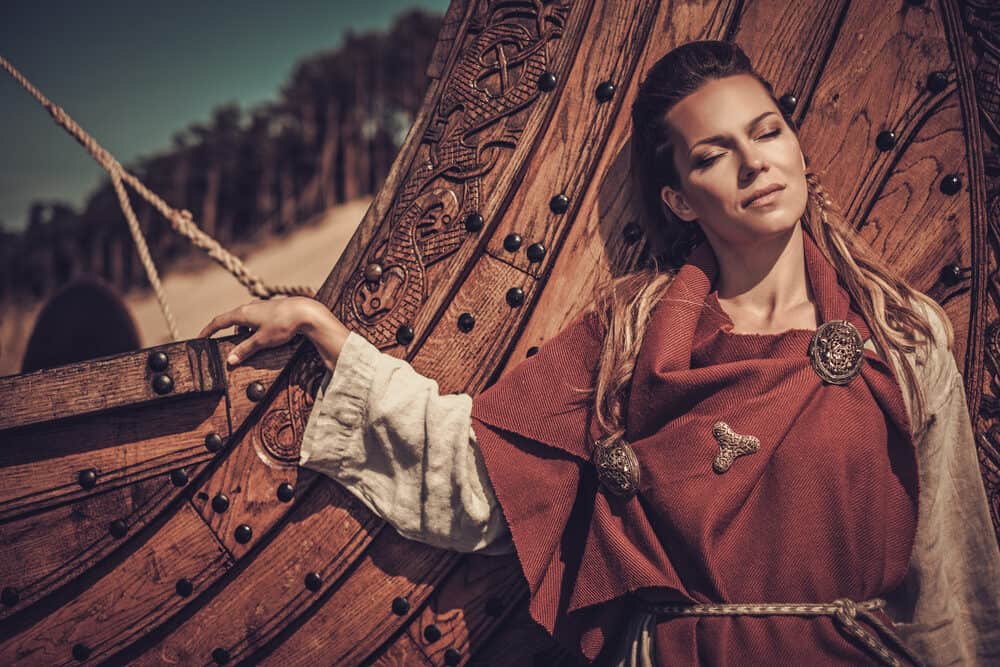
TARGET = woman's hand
(277,321)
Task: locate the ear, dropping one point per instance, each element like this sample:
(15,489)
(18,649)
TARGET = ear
(805,167)
(677,203)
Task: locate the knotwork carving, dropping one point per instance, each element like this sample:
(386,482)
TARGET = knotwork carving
(279,431)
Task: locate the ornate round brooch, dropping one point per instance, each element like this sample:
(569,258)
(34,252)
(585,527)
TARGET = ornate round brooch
(836,351)
(617,466)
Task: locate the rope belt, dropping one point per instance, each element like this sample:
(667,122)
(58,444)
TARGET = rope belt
(844,611)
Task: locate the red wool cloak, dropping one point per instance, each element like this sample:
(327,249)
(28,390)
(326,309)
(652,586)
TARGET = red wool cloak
(825,509)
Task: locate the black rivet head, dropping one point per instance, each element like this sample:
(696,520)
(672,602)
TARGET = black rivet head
(474,222)
(452,657)
(118,528)
(937,81)
(404,334)
(494,606)
(512,242)
(886,140)
(87,479)
(163,384)
(220,656)
(243,533)
(631,232)
(465,322)
(184,587)
(213,442)
(158,361)
(536,252)
(604,91)
(432,633)
(532,351)
(286,492)
(10,596)
(400,606)
(243,331)
(547,81)
(951,184)
(255,391)
(788,102)
(179,477)
(515,297)
(81,652)
(220,503)
(373,272)
(953,274)
(559,204)
(314,581)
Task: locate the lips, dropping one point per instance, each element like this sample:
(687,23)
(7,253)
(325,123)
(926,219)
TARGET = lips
(757,194)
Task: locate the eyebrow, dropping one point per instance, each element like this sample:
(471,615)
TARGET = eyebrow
(718,138)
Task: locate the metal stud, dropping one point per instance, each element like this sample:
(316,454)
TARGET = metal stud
(404,334)
(400,606)
(313,581)
(158,361)
(9,596)
(87,479)
(465,322)
(178,477)
(937,81)
(886,140)
(432,633)
(184,587)
(532,351)
(373,272)
(515,297)
(220,656)
(255,391)
(118,528)
(559,203)
(452,657)
(951,184)
(536,252)
(953,274)
(547,81)
(512,242)
(213,442)
(788,102)
(631,232)
(243,533)
(163,384)
(220,503)
(474,222)
(286,492)
(605,91)
(81,652)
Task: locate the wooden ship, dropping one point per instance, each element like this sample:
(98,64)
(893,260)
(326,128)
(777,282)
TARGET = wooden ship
(152,510)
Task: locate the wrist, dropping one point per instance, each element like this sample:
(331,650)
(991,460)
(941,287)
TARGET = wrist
(326,332)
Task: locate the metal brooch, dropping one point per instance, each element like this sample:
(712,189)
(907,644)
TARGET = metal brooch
(617,466)
(836,351)
(731,446)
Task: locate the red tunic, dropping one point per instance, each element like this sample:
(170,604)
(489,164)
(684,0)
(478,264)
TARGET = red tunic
(825,509)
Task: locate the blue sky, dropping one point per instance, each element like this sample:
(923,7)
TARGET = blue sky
(134,73)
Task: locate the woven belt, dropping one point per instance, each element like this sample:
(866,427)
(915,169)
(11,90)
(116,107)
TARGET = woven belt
(844,611)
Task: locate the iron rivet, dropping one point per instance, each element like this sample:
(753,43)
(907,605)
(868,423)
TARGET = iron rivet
(605,91)
(632,233)
(788,102)
(213,442)
(118,528)
(373,272)
(465,322)
(183,587)
(952,274)
(87,479)
(547,81)
(532,351)
(512,242)
(255,391)
(886,140)
(286,492)
(220,503)
(494,606)
(158,361)
(81,652)
(432,633)
(163,384)
(536,252)
(178,477)
(559,204)
(400,606)
(404,334)
(474,222)
(313,581)
(243,533)
(243,330)
(515,297)
(951,184)
(452,657)
(10,596)
(221,656)
(937,81)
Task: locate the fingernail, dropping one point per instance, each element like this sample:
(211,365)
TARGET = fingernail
(232,359)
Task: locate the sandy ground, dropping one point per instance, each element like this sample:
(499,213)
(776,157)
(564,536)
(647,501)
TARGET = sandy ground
(304,257)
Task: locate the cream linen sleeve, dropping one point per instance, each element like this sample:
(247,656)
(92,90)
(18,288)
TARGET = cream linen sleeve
(948,607)
(409,454)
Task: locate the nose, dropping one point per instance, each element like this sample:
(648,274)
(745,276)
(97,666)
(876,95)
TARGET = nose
(753,163)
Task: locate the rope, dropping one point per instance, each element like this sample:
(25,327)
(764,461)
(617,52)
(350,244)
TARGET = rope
(180,221)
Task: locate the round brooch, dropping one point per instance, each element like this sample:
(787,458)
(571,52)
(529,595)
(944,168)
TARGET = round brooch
(617,466)
(836,351)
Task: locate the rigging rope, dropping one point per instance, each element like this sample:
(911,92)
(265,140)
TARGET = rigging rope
(180,221)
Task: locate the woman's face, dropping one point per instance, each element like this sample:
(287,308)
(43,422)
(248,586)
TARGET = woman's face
(730,142)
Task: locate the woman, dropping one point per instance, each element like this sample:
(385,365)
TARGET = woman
(770,419)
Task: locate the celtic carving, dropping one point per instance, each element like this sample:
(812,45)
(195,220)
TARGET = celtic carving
(279,431)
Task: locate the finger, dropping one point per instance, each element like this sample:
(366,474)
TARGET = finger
(245,350)
(228,319)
